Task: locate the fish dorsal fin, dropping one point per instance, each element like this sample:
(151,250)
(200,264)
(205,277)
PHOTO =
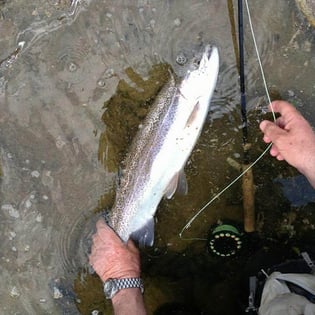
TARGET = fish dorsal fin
(177,183)
(145,235)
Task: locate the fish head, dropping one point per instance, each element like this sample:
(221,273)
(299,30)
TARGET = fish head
(188,111)
(199,83)
(200,58)
(209,59)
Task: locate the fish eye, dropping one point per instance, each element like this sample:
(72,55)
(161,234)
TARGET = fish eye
(196,62)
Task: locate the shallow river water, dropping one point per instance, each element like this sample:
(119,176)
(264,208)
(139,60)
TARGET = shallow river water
(60,62)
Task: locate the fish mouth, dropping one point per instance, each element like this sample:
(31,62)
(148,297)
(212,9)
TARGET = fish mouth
(201,59)
(208,52)
(207,57)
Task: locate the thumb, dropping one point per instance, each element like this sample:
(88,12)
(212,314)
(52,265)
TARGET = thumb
(271,130)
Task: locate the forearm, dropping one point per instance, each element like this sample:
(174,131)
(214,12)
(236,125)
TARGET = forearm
(308,170)
(311,180)
(129,302)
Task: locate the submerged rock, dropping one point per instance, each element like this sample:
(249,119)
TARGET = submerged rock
(308,9)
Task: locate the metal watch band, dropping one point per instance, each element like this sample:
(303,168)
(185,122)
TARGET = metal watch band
(112,286)
(126,283)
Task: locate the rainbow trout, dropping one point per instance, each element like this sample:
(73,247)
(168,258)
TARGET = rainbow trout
(161,148)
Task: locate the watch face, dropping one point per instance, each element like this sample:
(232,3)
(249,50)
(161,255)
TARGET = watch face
(110,288)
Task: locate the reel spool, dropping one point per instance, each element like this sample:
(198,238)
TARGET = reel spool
(224,240)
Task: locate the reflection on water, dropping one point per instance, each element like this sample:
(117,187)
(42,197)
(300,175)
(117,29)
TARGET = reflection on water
(60,61)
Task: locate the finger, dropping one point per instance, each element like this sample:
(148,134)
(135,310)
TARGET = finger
(282,107)
(280,157)
(262,125)
(274,151)
(100,242)
(101,224)
(95,238)
(92,259)
(106,233)
(266,139)
(271,130)
(280,121)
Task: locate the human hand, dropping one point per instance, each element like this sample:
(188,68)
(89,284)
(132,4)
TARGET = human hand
(110,257)
(292,138)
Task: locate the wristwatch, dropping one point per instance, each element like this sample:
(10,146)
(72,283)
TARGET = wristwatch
(112,285)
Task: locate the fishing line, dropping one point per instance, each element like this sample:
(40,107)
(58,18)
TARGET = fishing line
(221,192)
(258,58)
(260,156)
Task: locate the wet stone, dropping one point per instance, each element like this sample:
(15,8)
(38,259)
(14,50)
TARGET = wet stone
(152,23)
(39,218)
(12,235)
(101,83)
(14,292)
(14,213)
(308,9)
(291,93)
(35,174)
(109,73)
(177,22)
(57,293)
(28,204)
(72,67)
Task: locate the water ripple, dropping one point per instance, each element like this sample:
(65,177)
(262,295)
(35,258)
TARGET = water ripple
(52,96)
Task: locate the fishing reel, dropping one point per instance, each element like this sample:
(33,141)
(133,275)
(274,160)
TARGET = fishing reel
(224,239)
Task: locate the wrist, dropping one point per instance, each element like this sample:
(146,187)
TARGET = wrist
(126,294)
(113,286)
(308,168)
(120,275)
(129,301)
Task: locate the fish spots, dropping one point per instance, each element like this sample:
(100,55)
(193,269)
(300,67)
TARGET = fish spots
(179,140)
(125,111)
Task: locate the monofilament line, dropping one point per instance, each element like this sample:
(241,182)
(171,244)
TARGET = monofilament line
(261,155)
(258,58)
(222,191)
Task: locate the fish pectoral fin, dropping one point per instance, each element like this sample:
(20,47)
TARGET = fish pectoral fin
(182,186)
(145,235)
(193,115)
(171,187)
(177,183)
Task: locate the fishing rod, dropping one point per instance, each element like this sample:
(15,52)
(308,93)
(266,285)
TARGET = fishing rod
(248,190)
(246,170)
(242,70)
